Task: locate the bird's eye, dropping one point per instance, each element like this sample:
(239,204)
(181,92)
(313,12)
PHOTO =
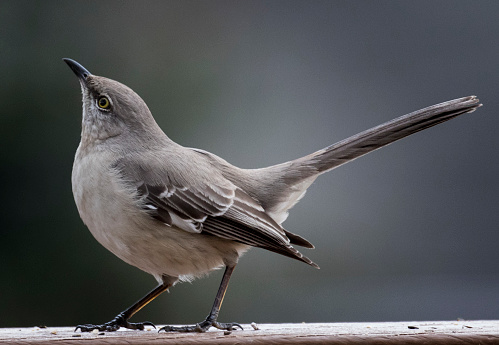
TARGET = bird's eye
(103,103)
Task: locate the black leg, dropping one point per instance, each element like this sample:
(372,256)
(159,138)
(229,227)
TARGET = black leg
(121,320)
(211,320)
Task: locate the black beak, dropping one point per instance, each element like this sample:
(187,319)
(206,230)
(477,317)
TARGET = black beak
(81,72)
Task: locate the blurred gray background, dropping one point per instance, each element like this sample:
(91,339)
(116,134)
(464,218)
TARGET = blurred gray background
(409,232)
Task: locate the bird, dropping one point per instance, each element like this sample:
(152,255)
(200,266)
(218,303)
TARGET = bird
(179,213)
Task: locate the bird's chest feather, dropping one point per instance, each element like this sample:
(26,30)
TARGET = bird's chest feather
(106,205)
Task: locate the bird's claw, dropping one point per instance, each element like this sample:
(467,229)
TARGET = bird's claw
(114,325)
(202,327)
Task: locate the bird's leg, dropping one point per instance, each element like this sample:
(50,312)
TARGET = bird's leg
(121,320)
(211,319)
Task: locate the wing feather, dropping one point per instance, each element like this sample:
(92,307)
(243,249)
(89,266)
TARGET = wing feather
(218,209)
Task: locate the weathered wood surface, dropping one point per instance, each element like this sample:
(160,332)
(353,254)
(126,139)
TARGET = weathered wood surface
(438,332)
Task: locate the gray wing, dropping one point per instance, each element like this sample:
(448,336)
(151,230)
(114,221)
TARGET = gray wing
(207,206)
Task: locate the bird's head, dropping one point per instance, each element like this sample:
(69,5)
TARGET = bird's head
(111,110)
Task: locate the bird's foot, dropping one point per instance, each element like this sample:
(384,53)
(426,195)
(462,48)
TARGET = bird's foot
(203,327)
(114,325)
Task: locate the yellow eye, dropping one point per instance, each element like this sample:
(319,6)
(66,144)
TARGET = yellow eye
(103,103)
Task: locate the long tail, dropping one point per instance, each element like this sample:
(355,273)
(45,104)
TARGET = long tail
(372,139)
(284,184)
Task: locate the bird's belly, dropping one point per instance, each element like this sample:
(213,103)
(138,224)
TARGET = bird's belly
(162,250)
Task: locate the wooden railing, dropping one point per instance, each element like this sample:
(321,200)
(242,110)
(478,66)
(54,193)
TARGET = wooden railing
(432,332)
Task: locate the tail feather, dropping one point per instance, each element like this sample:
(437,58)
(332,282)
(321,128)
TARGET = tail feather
(372,139)
(284,184)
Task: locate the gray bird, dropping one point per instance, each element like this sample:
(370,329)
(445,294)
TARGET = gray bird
(179,213)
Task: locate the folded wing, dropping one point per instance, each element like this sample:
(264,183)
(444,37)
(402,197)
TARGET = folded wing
(218,209)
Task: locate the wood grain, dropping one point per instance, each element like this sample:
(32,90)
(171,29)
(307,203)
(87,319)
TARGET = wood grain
(435,332)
